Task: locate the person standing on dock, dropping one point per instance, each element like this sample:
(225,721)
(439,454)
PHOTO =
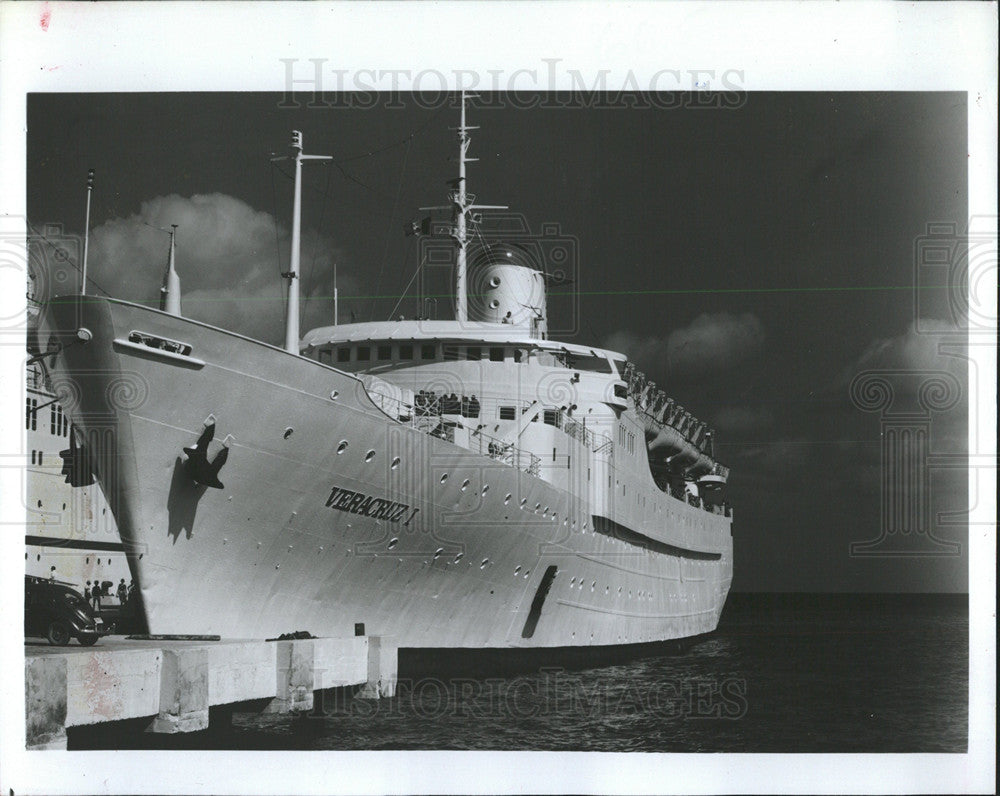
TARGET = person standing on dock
(86,592)
(96,595)
(122,592)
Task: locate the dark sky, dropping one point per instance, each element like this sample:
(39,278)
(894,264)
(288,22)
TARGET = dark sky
(752,260)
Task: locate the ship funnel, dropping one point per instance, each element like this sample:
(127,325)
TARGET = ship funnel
(507,288)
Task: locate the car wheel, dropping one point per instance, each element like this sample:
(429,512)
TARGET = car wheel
(87,641)
(58,634)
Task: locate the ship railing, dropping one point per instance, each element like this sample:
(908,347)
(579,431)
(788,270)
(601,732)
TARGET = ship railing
(420,419)
(720,469)
(34,378)
(604,446)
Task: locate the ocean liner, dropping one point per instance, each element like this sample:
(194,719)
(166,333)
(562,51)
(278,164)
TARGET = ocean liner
(70,532)
(465,483)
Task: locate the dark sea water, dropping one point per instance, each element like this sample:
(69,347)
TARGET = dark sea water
(783,673)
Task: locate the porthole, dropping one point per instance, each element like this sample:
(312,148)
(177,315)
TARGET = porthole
(369,456)
(484,563)
(444,478)
(524,502)
(39,504)
(495,281)
(395,463)
(438,552)
(506,499)
(494,304)
(64,507)
(517,571)
(334,394)
(465,484)
(485,489)
(38,557)
(458,557)
(342,447)
(392,543)
(288,432)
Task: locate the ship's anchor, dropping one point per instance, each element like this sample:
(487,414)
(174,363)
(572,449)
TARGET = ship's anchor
(75,466)
(198,467)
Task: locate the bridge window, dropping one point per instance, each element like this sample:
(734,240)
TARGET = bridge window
(496,355)
(406,352)
(508,413)
(364,353)
(384,352)
(473,352)
(451,353)
(428,351)
(325,355)
(343,355)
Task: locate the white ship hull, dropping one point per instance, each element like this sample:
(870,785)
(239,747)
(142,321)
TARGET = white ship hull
(462,565)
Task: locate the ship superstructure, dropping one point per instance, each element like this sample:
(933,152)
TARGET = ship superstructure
(448,483)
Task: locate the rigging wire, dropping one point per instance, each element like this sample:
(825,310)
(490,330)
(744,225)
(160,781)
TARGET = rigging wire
(277,241)
(61,254)
(408,284)
(392,216)
(322,214)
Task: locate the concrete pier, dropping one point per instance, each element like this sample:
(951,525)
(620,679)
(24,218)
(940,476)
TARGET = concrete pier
(175,683)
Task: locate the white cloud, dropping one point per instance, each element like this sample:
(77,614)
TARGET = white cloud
(918,348)
(227,259)
(710,344)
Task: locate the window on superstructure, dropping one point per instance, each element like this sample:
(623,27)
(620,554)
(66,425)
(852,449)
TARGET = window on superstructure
(30,415)
(473,352)
(384,352)
(552,417)
(406,352)
(451,353)
(496,355)
(508,413)
(325,355)
(52,420)
(364,353)
(428,351)
(518,355)
(343,355)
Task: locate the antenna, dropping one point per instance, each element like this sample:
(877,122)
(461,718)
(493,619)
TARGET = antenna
(86,233)
(292,274)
